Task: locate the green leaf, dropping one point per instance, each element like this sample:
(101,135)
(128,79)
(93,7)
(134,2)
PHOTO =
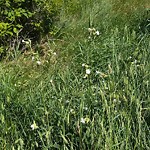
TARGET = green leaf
(15,30)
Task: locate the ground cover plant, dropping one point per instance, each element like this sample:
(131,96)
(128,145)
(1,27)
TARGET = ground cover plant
(83,87)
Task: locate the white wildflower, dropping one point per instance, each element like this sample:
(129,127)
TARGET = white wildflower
(71,110)
(89,37)
(67,101)
(85,120)
(98,72)
(83,65)
(54,53)
(115,100)
(88,71)
(97,32)
(38,62)
(85,108)
(90,29)
(135,61)
(23,41)
(130,57)
(28,42)
(34,126)
(82,120)
(33,58)
(85,76)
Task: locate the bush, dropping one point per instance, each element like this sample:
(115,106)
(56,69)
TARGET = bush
(26,19)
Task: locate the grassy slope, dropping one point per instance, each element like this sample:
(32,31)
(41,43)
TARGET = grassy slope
(106,110)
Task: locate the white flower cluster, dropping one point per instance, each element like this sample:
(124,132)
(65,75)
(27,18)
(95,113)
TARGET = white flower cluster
(93,31)
(85,120)
(87,71)
(101,74)
(27,43)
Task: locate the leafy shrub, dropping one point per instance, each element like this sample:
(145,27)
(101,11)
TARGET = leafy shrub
(26,19)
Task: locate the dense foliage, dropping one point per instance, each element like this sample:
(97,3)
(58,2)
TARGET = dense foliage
(26,19)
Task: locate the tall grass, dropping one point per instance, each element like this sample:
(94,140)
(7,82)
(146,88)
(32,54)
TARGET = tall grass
(87,93)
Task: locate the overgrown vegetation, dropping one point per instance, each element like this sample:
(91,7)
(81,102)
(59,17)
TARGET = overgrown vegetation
(85,86)
(21,19)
